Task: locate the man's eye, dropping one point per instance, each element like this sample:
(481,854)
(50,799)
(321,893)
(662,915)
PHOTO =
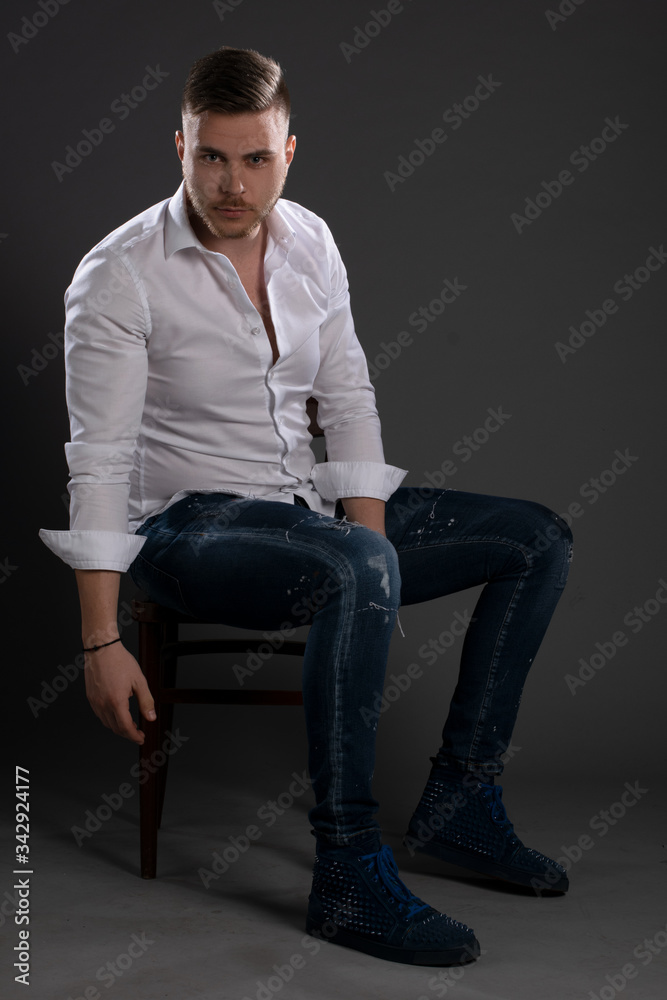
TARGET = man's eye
(256,160)
(211,157)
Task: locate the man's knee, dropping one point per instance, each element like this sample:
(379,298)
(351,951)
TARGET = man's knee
(550,536)
(373,564)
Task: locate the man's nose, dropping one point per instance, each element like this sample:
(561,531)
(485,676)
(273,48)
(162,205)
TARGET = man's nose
(231,180)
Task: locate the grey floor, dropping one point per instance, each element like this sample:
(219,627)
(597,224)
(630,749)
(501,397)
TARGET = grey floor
(178,938)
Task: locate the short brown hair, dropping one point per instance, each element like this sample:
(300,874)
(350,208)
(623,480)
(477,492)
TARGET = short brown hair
(235,81)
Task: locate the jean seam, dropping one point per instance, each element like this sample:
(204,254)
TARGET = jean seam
(483,710)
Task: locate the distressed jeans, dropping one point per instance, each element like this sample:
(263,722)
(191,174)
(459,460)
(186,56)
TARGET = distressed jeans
(269,565)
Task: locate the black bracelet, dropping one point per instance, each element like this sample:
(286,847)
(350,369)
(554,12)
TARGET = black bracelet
(92,649)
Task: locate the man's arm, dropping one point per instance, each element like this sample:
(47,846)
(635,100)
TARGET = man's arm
(355,471)
(106,365)
(112,674)
(366,511)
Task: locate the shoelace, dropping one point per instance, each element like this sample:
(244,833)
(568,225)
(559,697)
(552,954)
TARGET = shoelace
(385,869)
(493,795)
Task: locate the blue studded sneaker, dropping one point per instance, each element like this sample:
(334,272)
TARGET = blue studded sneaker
(462,821)
(361,903)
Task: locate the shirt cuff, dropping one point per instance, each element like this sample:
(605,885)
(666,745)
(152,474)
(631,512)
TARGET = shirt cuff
(334,480)
(82,549)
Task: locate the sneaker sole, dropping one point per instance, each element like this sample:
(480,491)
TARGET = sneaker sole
(461,955)
(540,883)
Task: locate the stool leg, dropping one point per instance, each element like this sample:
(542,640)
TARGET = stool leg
(150,640)
(167,720)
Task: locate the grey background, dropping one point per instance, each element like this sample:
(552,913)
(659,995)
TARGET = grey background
(494,347)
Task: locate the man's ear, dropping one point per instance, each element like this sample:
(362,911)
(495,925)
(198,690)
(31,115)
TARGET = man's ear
(290,146)
(180,145)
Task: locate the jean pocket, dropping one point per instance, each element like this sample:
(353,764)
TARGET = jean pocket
(161,587)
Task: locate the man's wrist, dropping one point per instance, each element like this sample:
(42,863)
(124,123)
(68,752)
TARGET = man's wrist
(365,510)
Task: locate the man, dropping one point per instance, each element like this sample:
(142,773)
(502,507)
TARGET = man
(195,335)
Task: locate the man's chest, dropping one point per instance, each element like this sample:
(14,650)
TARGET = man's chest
(251,276)
(202,316)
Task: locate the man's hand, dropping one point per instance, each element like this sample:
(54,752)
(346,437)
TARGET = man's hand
(112,677)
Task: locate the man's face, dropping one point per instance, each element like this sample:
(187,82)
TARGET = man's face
(235,168)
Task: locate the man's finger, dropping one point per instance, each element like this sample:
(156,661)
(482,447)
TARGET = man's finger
(124,725)
(145,700)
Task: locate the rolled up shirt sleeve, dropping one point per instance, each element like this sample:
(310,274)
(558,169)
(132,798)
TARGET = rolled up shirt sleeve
(106,372)
(346,406)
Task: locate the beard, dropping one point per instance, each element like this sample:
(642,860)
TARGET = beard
(207,215)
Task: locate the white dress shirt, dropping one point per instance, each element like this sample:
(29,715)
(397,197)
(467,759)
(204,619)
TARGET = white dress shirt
(171,386)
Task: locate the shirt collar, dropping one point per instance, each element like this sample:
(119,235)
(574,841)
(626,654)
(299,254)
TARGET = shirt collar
(178,232)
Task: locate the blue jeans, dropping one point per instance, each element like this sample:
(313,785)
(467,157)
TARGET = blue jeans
(269,565)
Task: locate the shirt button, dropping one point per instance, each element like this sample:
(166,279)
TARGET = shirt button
(255,330)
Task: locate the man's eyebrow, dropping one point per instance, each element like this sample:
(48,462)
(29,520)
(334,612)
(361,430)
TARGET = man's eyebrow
(254,152)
